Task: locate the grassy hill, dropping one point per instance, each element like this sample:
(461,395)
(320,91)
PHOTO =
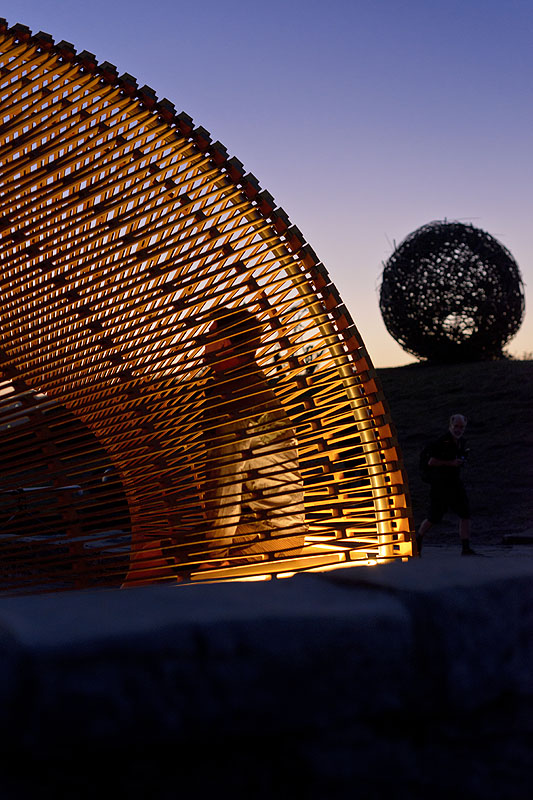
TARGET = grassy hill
(497,398)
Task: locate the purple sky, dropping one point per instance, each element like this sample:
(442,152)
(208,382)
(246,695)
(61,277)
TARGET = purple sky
(364,118)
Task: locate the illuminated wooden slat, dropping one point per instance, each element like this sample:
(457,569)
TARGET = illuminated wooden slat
(123,229)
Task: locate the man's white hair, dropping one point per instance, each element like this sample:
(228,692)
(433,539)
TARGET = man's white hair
(456,417)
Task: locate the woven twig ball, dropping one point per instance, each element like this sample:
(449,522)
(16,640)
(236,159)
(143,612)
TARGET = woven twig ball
(452,293)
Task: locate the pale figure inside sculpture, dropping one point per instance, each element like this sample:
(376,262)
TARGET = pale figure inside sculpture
(252,495)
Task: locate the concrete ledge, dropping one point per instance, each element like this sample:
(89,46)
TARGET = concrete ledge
(473,622)
(171,661)
(399,679)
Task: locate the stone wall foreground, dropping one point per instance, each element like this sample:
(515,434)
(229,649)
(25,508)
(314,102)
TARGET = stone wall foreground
(410,680)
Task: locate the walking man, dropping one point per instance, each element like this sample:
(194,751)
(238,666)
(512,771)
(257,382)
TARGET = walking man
(446,458)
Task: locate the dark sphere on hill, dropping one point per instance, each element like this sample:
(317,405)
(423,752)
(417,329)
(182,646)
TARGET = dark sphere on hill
(452,293)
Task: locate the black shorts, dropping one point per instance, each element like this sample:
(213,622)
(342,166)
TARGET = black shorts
(448,497)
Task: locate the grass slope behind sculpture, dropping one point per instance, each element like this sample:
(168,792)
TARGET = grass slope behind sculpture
(451,293)
(126,233)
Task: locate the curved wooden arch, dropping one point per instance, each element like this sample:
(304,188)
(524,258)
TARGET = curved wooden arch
(125,230)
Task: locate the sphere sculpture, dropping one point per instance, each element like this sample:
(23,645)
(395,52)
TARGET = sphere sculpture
(184,397)
(451,293)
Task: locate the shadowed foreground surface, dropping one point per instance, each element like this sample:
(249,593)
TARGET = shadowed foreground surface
(407,680)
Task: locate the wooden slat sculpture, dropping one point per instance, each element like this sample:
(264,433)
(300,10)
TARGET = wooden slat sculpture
(184,395)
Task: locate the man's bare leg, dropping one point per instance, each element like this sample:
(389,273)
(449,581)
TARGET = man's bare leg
(464,533)
(423,529)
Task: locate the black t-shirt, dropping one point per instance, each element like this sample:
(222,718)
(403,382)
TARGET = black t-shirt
(446,448)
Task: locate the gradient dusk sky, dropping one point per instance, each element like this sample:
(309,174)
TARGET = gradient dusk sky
(365,119)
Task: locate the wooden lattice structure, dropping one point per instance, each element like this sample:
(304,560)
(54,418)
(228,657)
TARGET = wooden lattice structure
(125,232)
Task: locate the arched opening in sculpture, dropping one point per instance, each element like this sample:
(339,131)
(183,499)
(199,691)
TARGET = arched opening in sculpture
(126,234)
